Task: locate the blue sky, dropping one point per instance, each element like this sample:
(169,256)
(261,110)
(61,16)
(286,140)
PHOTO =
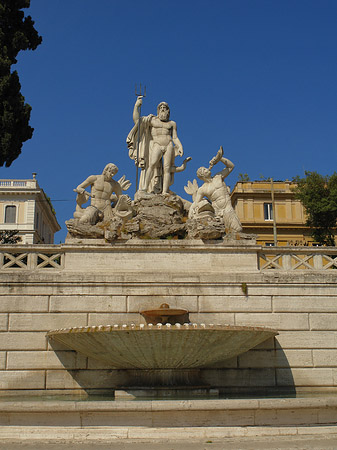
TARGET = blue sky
(256,76)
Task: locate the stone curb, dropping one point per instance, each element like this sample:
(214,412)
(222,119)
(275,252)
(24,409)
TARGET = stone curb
(169,405)
(102,434)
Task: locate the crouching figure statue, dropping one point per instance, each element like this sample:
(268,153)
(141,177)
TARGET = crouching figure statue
(106,198)
(212,198)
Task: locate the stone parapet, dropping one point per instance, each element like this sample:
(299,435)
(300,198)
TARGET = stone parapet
(168,256)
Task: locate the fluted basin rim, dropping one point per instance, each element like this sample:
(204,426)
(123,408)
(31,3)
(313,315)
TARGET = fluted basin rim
(187,346)
(166,327)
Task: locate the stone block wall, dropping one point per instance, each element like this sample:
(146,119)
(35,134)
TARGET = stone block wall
(301,305)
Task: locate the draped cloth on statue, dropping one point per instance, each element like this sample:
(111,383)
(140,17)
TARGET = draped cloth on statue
(143,153)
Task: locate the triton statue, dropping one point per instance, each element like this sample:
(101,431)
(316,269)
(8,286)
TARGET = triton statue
(104,191)
(217,201)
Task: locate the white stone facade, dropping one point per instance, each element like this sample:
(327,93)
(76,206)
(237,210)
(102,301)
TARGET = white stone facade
(61,286)
(25,207)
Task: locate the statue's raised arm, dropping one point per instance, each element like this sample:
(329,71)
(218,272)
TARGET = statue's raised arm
(228,163)
(136,109)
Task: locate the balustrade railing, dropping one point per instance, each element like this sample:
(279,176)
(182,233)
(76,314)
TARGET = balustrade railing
(297,258)
(43,257)
(18,184)
(31,259)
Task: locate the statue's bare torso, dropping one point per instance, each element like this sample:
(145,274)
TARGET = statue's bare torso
(102,188)
(101,191)
(161,132)
(216,191)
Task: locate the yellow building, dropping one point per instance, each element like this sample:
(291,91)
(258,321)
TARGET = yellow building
(25,207)
(252,201)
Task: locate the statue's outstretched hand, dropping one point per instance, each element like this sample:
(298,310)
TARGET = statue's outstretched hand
(139,101)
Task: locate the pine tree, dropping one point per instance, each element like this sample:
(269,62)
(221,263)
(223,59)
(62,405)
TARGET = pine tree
(17,33)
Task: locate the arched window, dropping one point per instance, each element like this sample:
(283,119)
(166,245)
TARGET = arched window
(10,214)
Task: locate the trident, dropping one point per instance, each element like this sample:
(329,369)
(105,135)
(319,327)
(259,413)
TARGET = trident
(140,94)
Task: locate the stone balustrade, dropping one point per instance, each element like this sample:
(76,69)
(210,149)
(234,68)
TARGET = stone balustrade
(298,258)
(18,184)
(41,257)
(31,257)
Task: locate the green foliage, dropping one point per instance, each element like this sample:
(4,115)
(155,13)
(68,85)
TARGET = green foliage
(263,178)
(9,237)
(50,204)
(244,288)
(243,177)
(16,33)
(318,195)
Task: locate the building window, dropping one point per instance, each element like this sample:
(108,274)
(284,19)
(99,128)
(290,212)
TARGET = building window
(10,214)
(268,211)
(269,244)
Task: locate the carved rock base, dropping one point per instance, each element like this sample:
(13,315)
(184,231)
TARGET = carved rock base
(207,227)
(156,217)
(78,230)
(160,216)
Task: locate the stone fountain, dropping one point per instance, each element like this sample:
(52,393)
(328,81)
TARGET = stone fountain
(166,352)
(123,256)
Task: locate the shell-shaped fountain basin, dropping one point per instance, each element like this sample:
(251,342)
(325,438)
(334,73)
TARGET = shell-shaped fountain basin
(161,346)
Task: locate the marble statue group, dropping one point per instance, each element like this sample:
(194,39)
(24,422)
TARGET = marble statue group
(156,211)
